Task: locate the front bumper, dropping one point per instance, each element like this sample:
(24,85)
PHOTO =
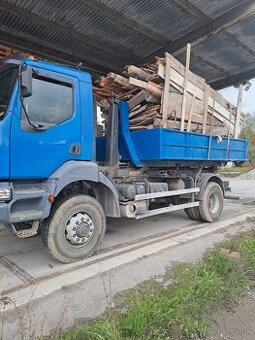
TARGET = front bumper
(4,202)
(29,202)
(4,213)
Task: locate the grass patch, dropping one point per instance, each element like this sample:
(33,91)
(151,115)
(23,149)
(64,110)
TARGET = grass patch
(236,170)
(182,309)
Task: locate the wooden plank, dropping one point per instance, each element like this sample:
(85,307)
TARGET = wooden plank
(205,107)
(137,72)
(143,117)
(199,82)
(137,99)
(106,83)
(119,80)
(152,99)
(221,113)
(180,68)
(161,71)
(196,85)
(102,94)
(194,127)
(148,86)
(136,112)
(140,127)
(165,107)
(187,102)
(184,98)
(212,115)
(190,113)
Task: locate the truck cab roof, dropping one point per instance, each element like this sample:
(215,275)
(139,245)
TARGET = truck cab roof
(15,60)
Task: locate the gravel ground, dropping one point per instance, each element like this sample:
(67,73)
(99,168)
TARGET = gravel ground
(236,325)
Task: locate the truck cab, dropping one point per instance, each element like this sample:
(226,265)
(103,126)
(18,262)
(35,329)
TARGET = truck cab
(51,126)
(59,178)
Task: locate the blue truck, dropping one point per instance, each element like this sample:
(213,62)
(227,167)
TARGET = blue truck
(60,179)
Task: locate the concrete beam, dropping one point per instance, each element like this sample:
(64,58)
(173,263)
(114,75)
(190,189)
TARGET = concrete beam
(235,78)
(27,45)
(209,64)
(123,19)
(110,48)
(243,9)
(238,43)
(192,9)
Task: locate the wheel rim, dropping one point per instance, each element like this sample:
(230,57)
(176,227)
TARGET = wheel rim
(79,229)
(214,203)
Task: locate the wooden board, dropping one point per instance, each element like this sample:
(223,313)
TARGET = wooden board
(168,94)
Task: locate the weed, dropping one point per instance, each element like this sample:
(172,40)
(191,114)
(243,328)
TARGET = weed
(183,308)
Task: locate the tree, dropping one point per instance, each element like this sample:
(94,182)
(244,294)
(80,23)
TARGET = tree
(248,131)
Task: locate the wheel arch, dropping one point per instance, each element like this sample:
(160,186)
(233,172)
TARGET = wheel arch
(73,172)
(205,179)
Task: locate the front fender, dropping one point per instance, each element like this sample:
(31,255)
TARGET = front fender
(74,171)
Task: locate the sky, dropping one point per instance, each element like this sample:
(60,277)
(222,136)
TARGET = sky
(248,102)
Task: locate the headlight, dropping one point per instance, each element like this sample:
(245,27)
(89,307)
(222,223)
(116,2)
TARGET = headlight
(5,194)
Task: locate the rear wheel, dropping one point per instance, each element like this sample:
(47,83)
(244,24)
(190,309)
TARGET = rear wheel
(211,205)
(189,213)
(193,213)
(74,229)
(197,214)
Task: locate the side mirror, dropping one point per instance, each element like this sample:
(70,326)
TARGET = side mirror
(25,81)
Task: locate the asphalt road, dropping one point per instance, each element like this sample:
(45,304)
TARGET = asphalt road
(24,260)
(43,294)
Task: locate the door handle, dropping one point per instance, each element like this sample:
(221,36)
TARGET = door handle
(75,149)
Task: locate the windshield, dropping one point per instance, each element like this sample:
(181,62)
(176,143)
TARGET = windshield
(7,81)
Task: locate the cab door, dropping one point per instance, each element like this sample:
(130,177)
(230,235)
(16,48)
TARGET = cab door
(46,129)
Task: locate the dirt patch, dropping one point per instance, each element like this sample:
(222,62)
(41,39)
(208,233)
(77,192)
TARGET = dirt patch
(238,324)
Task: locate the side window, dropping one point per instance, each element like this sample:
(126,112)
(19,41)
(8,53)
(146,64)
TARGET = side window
(50,104)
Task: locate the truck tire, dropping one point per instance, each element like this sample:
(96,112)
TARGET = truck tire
(211,205)
(190,214)
(75,228)
(197,214)
(193,214)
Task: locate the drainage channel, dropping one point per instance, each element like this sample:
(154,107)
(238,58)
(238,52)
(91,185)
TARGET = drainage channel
(16,270)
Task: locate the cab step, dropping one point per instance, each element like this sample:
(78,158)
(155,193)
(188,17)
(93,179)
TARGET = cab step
(25,233)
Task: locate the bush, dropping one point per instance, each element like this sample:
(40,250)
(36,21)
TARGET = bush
(248,131)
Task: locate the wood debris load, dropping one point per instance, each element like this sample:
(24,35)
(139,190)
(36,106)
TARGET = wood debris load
(167,94)
(5,51)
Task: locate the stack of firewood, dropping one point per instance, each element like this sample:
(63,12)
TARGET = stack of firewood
(141,87)
(167,94)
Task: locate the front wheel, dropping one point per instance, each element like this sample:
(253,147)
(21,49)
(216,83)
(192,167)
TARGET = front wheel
(75,228)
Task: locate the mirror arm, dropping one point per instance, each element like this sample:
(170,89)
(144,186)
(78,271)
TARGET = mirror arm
(27,117)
